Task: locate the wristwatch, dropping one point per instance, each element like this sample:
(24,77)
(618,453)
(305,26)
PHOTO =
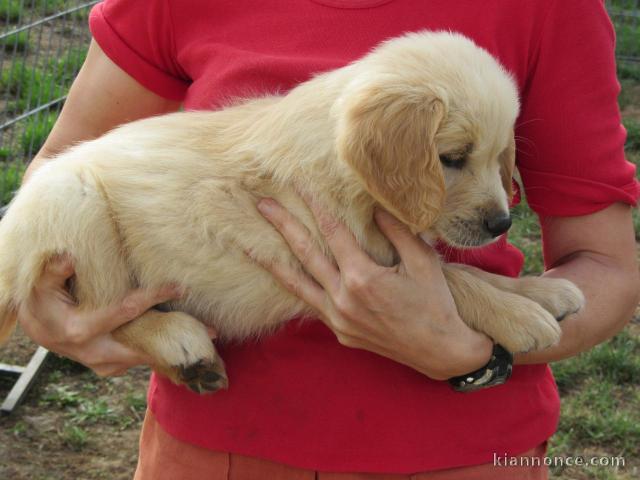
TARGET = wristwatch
(496,372)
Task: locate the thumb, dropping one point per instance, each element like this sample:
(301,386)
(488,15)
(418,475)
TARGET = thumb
(413,251)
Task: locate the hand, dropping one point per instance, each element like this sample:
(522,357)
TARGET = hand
(53,319)
(405,312)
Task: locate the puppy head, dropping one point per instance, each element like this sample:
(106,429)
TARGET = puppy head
(426,124)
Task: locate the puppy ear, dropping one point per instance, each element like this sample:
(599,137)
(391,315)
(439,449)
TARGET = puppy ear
(387,136)
(507,164)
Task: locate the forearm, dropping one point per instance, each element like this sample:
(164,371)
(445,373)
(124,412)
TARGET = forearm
(611,290)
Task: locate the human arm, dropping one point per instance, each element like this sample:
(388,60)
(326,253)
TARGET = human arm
(101,97)
(598,253)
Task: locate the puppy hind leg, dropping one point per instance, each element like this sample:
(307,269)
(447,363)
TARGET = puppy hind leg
(179,348)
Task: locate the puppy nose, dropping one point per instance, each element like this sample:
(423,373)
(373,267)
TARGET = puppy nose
(498,224)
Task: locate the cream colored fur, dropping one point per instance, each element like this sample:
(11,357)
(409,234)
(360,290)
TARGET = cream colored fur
(173,199)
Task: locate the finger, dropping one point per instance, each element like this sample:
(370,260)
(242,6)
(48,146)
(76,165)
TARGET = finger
(296,282)
(302,245)
(212,333)
(132,306)
(105,350)
(416,255)
(342,243)
(57,271)
(110,369)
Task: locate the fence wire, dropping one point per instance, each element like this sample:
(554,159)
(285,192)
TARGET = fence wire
(43,44)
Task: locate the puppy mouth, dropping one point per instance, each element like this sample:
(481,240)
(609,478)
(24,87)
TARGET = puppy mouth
(464,233)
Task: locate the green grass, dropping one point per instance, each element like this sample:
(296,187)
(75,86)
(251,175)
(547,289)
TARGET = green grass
(15,79)
(627,40)
(82,408)
(600,401)
(74,437)
(633,135)
(10,10)
(525,234)
(10,178)
(49,7)
(36,131)
(17,42)
(628,72)
(31,87)
(629,94)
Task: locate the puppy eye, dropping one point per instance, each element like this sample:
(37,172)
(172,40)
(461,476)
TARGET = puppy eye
(453,160)
(456,159)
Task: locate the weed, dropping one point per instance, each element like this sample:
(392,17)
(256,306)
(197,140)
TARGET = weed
(61,396)
(74,437)
(90,412)
(19,429)
(136,401)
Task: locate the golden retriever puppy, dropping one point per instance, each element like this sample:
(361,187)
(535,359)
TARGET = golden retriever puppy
(422,126)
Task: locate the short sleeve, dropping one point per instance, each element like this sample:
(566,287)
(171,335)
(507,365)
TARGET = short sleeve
(570,138)
(138,37)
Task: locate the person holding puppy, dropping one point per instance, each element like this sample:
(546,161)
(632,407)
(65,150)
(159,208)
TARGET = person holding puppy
(355,396)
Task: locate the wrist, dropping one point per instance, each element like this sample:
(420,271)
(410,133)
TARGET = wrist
(465,351)
(470,352)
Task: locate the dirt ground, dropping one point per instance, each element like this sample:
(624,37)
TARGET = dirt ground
(80,427)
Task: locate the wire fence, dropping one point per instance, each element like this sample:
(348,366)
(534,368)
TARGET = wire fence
(43,44)
(626,19)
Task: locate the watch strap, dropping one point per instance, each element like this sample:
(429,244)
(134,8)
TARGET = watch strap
(496,372)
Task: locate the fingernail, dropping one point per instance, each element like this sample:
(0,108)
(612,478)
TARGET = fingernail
(266,206)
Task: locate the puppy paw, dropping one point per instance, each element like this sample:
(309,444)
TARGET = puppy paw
(558,296)
(179,347)
(189,356)
(203,376)
(531,328)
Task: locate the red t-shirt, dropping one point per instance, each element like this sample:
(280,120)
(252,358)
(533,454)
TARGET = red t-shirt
(298,397)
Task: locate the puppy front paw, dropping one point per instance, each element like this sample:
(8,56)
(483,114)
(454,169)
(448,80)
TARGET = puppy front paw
(527,326)
(558,296)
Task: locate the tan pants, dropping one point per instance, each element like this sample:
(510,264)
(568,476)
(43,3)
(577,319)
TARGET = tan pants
(164,457)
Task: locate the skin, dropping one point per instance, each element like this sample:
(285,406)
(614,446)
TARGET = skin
(405,313)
